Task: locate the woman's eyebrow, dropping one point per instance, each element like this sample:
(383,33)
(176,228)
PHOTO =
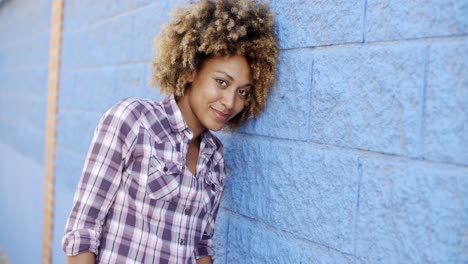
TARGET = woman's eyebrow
(229,76)
(232,79)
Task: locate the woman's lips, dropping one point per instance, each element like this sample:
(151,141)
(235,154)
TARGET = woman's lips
(222,117)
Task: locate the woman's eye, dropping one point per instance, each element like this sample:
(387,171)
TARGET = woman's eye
(221,82)
(243,92)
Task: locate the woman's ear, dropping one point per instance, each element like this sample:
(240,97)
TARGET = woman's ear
(191,76)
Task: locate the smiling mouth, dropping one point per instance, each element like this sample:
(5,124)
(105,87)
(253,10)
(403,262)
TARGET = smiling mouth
(222,117)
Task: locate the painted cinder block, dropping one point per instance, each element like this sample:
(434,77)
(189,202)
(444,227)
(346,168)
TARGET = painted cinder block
(412,212)
(12,112)
(118,39)
(81,15)
(25,111)
(34,112)
(24,49)
(13,82)
(26,54)
(446,113)
(68,169)
(368,98)
(317,23)
(69,166)
(252,242)
(65,100)
(76,130)
(311,191)
(133,80)
(103,44)
(392,20)
(22,21)
(287,110)
(97,89)
(21,200)
(147,23)
(220,236)
(88,90)
(63,201)
(26,140)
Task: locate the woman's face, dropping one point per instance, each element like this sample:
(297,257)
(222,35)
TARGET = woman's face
(218,92)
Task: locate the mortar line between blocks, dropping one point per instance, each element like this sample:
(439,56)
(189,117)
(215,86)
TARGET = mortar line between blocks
(286,233)
(356,212)
(106,66)
(31,128)
(297,142)
(309,103)
(24,67)
(384,42)
(31,37)
(104,19)
(364,18)
(23,155)
(68,151)
(422,94)
(226,240)
(31,98)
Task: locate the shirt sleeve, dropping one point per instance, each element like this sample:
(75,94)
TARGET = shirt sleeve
(205,245)
(100,178)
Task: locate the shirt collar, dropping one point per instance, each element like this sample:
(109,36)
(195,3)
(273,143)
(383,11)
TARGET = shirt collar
(177,122)
(209,138)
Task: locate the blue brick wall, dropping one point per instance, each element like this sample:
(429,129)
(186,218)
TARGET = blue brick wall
(360,156)
(360,172)
(24,51)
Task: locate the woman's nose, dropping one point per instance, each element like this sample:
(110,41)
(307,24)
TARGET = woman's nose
(228,99)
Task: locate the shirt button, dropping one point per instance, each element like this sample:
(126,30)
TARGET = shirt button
(182,242)
(165,169)
(188,211)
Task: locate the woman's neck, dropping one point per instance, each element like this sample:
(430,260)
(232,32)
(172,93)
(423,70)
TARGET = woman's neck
(192,121)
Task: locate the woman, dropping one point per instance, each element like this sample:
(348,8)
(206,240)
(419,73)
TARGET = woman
(154,174)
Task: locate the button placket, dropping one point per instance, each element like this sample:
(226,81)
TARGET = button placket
(188,211)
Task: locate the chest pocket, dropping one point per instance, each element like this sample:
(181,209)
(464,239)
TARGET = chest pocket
(164,179)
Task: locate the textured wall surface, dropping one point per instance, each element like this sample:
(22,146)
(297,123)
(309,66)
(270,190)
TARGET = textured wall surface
(24,51)
(360,157)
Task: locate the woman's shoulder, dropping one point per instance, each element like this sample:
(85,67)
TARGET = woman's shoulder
(133,107)
(133,104)
(128,112)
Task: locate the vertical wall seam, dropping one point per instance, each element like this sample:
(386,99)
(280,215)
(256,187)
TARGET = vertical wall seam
(51,125)
(226,240)
(364,18)
(309,103)
(356,211)
(422,99)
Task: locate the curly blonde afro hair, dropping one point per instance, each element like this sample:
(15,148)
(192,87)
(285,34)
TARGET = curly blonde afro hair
(209,28)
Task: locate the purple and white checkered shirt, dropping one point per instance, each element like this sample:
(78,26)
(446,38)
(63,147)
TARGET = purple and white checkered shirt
(137,201)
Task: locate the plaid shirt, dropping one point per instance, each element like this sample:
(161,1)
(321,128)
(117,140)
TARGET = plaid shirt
(137,201)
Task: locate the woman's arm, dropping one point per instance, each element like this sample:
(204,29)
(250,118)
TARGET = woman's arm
(100,179)
(83,258)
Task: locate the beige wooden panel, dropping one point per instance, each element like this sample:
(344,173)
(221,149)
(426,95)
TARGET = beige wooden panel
(52,101)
